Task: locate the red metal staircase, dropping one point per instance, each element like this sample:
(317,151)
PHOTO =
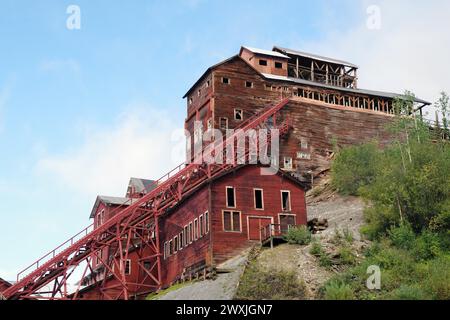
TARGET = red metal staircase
(47,277)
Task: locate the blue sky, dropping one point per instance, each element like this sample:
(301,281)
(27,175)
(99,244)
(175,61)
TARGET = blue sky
(83,110)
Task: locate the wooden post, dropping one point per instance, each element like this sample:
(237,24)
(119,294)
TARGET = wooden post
(312,70)
(297,69)
(326,68)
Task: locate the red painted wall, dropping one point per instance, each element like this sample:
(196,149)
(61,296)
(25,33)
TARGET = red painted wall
(227,244)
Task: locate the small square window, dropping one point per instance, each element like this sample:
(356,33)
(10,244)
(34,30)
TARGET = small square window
(278,65)
(248,84)
(238,114)
(225,80)
(262,62)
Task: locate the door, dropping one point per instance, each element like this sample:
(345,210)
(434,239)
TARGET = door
(286,221)
(255,224)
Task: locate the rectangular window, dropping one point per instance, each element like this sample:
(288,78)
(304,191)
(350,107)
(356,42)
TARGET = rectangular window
(259,199)
(201,222)
(170,247)
(206,222)
(191,233)
(231,197)
(175,244)
(190,101)
(128,267)
(208,83)
(186,238)
(180,241)
(195,229)
(278,65)
(262,62)
(286,200)
(225,80)
(288,163)
(100,218)
(231,221)
(199,93)
(248,84)
(238,114)
(223,123)
(165,250)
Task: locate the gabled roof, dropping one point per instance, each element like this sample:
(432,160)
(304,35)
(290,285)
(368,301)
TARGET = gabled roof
(314,56)
(141,185)
(265,52)
(207,71)
(107,200)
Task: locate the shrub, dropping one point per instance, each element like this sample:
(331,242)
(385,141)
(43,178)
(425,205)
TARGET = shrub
(347,256)
(260,284)
(354,167)
(316,248)
(337,290)
(409,292)
(427,246)
(402,236)
(348,235)
(324,260)
(298,235)
(437,278)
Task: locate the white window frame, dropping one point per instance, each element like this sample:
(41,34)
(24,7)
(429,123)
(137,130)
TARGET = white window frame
(206,215)
(186,233)
(195,229)
(236,111)
(287,167)
(262,198)
(191,232)
(180,241)
(234,196)
(128,261)
(289,198)
(220,123)
(175,242)
(232,221)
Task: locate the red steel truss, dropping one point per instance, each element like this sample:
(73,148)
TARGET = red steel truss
(47,277)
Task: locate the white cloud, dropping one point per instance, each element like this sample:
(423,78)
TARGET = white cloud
(138,145)
(410,51)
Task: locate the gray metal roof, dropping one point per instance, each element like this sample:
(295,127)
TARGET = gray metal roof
(266,52)
(111,201)
(327,86)
(314,56)
(142,185)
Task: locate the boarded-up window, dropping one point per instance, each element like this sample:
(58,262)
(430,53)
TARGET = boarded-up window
(231,197)
(285,201)
(232,221)
(259,202)
(223,123)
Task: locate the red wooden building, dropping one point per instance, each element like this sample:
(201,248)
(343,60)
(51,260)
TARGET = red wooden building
(199,214)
